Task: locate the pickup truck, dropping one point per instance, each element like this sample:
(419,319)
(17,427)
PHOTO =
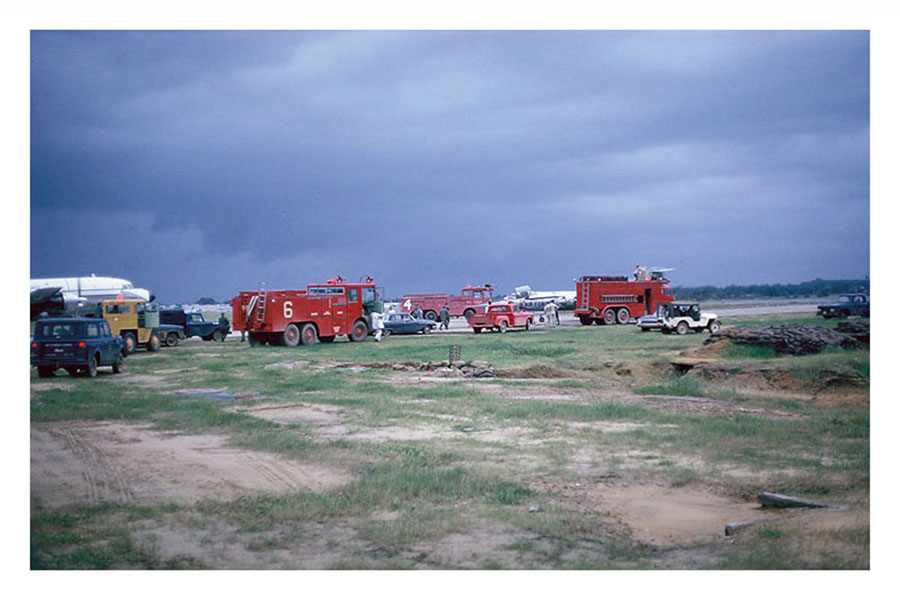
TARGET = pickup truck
(846,305)
(500,317)
(193,324)
(79,345)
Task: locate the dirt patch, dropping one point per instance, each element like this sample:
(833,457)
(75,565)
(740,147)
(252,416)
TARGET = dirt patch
(106,461)
(664,516)
(535,372)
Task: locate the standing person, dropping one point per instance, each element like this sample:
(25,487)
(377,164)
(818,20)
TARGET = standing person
(417,312)
(445,317)
(556,312)
(378,325)
(225,324)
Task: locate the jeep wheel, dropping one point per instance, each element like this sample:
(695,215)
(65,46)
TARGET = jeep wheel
(130,343)
(152,344)
(91,370)
(172,339)
(309,335)
(218,335)
(45,372)
(291,335)
(609,317)
(359,332)
(714,326)
(622,316)
(681,328)
(119,364)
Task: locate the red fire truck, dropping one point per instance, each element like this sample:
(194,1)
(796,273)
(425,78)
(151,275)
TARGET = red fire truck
(611,299)
(460,306)
(319,313)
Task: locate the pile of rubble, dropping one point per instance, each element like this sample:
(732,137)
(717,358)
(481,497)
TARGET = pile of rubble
(787,338)
(457,368)
(858,328)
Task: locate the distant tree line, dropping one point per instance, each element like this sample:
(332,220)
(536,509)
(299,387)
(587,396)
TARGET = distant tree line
(815,288)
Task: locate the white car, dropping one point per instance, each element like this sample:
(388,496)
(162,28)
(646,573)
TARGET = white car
(681,317)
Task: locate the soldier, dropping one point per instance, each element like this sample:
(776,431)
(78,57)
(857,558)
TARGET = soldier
(378,325)
(445,317)
(417,312)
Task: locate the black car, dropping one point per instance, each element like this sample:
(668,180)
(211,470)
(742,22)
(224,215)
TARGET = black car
(192,324)
(78,345)
(400,323)
(847,305)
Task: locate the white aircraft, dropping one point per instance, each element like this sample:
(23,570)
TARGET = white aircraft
(74,295)
(529,299)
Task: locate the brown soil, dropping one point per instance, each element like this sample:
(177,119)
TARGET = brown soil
(93,462)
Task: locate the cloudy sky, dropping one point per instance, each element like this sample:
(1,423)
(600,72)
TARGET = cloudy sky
(201,163)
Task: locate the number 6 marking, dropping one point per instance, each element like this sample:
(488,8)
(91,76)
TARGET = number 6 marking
(288,309)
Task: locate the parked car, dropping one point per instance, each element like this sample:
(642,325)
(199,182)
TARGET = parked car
(78,345)
(846,305)
(192,324)
(682,317)
(402,323)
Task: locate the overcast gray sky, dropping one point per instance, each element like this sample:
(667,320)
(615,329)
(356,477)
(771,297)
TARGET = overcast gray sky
(199,163)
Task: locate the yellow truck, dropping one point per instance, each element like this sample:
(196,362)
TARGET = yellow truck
(135,321)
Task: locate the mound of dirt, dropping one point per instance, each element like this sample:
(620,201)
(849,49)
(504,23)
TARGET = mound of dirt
(787,338)
(534,372)
(713,348)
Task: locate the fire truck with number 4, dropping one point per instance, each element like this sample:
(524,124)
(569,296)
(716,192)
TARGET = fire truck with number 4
(611,299)
(470,300)
(321,312)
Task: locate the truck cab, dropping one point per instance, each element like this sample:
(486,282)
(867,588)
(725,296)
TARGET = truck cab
(78,345)
(135,321)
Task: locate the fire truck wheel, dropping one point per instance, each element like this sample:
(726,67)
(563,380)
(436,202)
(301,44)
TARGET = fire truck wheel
(527,324)
(622,316)
(291,335)
(681,328)
(609,317)
(431,315)
(130,343)
(585,319)
(468,313)
(359,332)
(327,339)
(309,335)
(503,326)
(477,329)
(254,340)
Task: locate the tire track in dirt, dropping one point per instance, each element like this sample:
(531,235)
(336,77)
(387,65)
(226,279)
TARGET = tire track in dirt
(105,480)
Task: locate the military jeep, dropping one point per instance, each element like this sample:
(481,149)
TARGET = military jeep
(682,317)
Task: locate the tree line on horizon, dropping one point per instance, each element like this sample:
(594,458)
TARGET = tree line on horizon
(819,288)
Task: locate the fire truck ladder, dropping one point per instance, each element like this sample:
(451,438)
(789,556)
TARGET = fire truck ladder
(258,307)
(583,301)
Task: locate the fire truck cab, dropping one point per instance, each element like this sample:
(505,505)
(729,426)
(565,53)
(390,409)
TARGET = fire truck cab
(611,299)
(466,303)
(319,313)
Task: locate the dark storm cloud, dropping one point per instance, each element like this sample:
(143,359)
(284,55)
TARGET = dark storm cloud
(436,159)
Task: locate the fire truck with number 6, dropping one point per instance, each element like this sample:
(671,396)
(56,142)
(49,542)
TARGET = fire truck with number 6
(321,312)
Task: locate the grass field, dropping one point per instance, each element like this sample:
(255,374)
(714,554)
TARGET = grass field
(588,451)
